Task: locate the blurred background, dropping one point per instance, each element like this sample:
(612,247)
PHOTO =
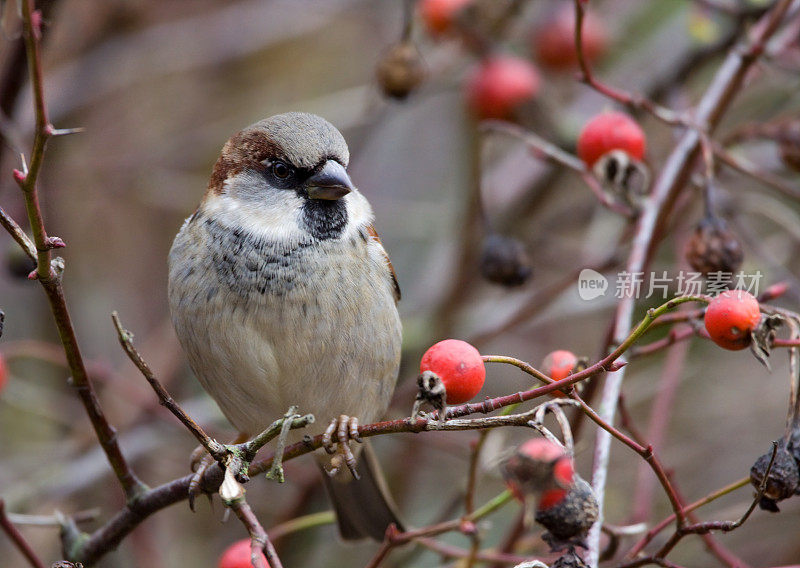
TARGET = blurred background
(160,86)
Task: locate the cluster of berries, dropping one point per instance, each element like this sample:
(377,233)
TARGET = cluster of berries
(500,84)
(541,475)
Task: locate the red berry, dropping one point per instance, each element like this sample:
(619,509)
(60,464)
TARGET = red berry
(3,372)
(610,131)
(551,497)
(731,317)
(499,85)
(559,365)
(439,15)
(460,367)
(553,42)
(541,467)
(237,555)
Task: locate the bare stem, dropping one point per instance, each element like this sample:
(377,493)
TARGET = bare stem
(17,538)
(48,271)
(672,178)
(164,398)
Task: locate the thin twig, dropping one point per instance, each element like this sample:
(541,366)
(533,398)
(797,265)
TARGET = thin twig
(18,234)
(125,338)
(766,178)
(261,546)
(674,173)
(48,272)
(541,148)
(17,538)
(93,546)
(636,101)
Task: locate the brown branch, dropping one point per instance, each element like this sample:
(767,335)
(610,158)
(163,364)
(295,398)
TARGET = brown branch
(164,398)
(673,176)
(764,177)
(48,271)
(699,528)
(89,548)
(635,101)
(17,538)
(543,149)
(232,495)
(660,413)
(16,232)
(449,551)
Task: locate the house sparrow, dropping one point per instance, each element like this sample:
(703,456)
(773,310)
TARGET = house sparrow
(281,294)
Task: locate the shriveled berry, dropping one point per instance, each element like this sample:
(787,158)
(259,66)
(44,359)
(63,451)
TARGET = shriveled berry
(714,248)
(500,85)
(400,70)
(731,318)
(569,521)
(610,131)
(237,555)
(783,479)
(505,261)
(538,468)
(569,559)
(553,41)
(460,367)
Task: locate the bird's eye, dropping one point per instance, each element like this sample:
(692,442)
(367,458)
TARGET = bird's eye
(281,170)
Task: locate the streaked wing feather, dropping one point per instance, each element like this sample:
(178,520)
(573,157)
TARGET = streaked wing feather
(374,234)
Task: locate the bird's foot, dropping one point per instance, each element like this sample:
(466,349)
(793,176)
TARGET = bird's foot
(200,462)
(336,440)
(233,456)
(289,420)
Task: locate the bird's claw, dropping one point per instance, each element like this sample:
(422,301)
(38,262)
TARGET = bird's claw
(345,428)
(200,462)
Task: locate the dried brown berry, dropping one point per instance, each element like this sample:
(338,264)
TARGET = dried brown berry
(569,560)
(569,521)
(505,261)
(714,248)
(789,144)
(400,70)
(783,479)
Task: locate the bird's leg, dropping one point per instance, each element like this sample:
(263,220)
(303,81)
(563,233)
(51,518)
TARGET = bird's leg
(200,462)
(345,428)
(276,470)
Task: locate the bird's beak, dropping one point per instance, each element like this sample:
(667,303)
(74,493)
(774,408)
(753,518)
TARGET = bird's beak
(331,182)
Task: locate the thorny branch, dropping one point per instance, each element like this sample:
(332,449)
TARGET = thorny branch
(143,501)
(48,271)
(88,548)
(666,187)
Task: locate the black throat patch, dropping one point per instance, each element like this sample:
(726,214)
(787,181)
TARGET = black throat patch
(324,219)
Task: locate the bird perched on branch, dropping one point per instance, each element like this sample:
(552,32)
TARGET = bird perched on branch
(282,294)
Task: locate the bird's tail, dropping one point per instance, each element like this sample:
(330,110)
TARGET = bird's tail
(364,508)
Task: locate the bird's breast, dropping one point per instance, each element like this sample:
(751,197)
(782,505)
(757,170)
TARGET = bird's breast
(266,324)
